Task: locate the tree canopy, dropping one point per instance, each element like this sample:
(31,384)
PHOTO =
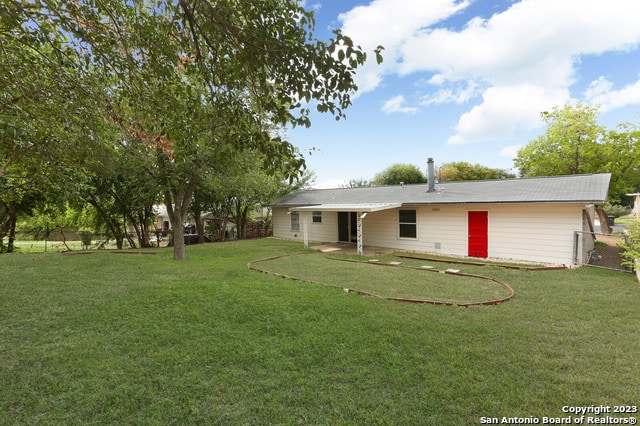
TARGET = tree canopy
(574,144)
(461,170)
(178,86)
(399,173)
(570,145)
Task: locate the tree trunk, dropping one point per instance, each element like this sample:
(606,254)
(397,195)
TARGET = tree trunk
(222,231)
(177,203)
(179,249)
(12,227)
(243,213)
(240,218)
(267,222)
(119,241)
(4,225)
(132,244)
(112,225)
(141,225)
(224,220)
(64,239)
(145,220)
(604,222)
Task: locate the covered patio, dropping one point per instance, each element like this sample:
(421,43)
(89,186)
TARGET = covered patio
(346,248)
(361,210)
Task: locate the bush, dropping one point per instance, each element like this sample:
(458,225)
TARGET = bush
(631,245)
(616,210)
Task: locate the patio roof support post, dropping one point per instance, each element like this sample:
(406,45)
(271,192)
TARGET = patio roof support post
(360,216)
(305,232)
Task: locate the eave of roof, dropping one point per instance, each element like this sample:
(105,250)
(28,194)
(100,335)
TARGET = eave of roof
(364,207)
(583,189)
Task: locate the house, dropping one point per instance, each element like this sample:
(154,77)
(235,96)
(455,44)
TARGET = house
(533,219)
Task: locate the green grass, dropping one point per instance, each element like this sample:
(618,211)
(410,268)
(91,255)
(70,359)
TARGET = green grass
(40,246)
(387,281)
(138,339)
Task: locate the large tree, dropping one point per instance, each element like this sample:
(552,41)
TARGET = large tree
(570,145)
(575,143)
(187,79)
(621,158)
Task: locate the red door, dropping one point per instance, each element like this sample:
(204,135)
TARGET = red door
(478,234)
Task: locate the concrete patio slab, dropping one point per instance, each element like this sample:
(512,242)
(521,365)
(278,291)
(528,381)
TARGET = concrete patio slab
(345,248)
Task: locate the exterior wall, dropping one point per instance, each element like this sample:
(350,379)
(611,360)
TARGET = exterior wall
(327,231)
(526,232)
(539,233)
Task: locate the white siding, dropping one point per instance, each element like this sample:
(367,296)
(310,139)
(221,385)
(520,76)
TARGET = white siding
(281,223)
(539,233)
(327,231)
(526,232)
(440,232)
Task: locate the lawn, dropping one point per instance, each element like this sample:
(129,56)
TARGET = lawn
(389,277)
(141,339)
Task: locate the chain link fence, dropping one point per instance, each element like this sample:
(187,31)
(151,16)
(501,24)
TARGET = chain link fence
(600,250)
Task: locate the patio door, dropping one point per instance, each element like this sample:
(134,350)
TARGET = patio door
(478,234)
(347,227)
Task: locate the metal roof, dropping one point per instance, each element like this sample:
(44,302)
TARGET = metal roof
(584,189)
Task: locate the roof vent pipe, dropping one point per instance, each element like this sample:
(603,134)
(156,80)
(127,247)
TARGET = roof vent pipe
(430,175)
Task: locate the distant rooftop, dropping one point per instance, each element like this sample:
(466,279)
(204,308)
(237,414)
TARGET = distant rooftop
(588,189)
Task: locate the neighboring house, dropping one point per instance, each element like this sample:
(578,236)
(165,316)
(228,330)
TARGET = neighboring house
(533,219)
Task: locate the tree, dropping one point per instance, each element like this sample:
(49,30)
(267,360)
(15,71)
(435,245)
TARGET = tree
(574,143)
(621,158)
(17,197)
(631,246)
(570,145)
(122,189)
(462,170)
(358,183)
(50,107)
(186,79)
(399,173)
(242,186)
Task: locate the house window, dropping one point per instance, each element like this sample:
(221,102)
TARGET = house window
(316,217)
(407,222)
(295,221)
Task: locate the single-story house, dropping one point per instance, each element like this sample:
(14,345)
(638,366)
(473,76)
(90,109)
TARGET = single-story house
(532,219)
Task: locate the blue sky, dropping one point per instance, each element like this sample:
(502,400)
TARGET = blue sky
(467,80)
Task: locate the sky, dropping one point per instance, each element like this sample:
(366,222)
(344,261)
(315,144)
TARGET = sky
(466,80)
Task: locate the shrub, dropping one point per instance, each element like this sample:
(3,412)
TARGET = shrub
(616,210)
(631,245)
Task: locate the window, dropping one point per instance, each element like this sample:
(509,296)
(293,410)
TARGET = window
(407,221)
(316,217)
(295,221)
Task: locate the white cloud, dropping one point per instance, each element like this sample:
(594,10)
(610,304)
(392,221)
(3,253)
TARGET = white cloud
(510,151)
(331,183)
(395,104)
(601,92)
(315,6)
(391,23)
(521,60)
(458,95)
(505,110)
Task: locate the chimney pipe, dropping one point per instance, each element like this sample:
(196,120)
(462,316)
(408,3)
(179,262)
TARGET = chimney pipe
(430,175)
